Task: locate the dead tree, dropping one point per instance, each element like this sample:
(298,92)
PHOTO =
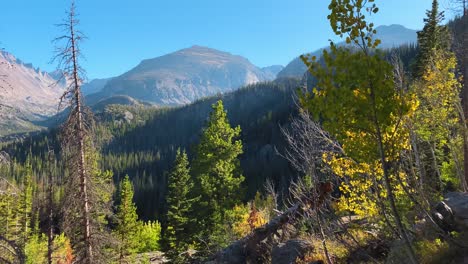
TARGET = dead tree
(307,142)
(82,206)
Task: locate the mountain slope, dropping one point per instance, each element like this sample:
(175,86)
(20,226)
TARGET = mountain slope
(94,86)
(272,71)
(183,77)
(391,36)
(28,94)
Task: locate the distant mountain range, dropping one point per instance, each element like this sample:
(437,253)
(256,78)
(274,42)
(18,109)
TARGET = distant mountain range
(30,96)
(391,36)
(185,76)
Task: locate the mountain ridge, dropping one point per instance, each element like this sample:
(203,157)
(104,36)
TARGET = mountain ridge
(393,35)
(28,94)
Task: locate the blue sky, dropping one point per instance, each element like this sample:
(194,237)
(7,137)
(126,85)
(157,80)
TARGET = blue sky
(121,33)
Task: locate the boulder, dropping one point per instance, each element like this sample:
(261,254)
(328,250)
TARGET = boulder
(289,252)
(451,214)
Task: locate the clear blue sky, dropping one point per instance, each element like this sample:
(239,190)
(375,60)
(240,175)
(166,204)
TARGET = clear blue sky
(121,33)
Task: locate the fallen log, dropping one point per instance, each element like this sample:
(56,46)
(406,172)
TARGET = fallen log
(246,250)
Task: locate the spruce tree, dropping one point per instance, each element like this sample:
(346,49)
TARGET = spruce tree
(217,170)
(25,207)
(433,38)
(180,203)
(127,219)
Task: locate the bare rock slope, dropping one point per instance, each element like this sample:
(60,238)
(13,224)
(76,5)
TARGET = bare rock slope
(27,95)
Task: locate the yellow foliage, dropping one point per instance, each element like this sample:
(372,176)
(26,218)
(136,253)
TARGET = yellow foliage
(247,219)
(361,185)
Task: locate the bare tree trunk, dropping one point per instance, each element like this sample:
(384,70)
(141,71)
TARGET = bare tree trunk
(388,186)
(50,193)
(75,139)
(81,149)
(417,158)
(435,164)
(322,234)
(391,198)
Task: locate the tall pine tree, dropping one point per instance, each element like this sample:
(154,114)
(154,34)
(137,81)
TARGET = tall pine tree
(25,207)
(128,225)
(180,203)
(433,38)
(216,168)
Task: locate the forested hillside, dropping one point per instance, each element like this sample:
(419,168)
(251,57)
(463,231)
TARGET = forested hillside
(364,159)
(145,146)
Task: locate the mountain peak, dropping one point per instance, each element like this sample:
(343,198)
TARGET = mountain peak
(393,27)
(197,50)
(199,47)
(187,75)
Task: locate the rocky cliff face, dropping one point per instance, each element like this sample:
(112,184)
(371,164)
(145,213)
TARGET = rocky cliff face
(27,94)
(184,76)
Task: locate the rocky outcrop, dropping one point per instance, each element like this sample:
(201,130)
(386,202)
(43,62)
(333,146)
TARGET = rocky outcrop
(451,214)
(289,252)
(5,158)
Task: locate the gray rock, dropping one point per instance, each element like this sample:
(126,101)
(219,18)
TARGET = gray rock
(287,253)
(5,158)
(452,213)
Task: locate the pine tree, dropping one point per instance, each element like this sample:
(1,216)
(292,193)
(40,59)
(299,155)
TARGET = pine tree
(10,250)
(437,122)
(25,207)
(127,221)
(149,234)
(432,39)
(216,169)
(180,203)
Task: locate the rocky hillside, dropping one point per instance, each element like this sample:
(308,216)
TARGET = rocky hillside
(28,95)
(185,76)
